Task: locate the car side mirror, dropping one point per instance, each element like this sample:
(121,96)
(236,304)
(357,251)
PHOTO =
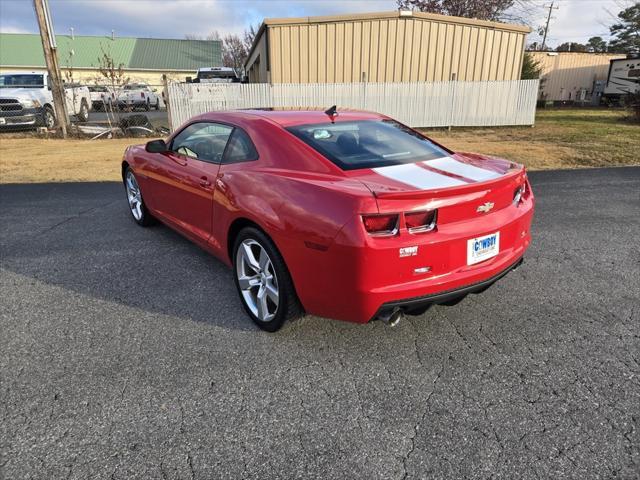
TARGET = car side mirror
(155,90)
(156,146)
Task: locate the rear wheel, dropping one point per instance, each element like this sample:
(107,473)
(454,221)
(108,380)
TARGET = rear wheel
(136,204)
(157,107)
(147,106)
(263,281)
(83,114)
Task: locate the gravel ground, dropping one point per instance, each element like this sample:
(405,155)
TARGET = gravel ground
(125,354)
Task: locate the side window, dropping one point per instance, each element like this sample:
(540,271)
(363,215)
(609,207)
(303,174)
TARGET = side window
(204,141)
(240,149)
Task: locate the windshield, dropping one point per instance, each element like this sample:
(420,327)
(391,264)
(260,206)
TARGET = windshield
(368,143)
(216,74)
(134,87)
(97,88)
(21,80)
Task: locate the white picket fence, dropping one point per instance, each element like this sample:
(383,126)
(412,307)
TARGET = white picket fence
(439,104)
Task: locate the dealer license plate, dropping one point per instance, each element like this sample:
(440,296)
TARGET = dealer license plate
(483,248)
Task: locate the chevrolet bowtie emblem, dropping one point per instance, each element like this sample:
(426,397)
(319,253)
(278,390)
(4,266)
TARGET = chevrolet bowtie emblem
(485,207)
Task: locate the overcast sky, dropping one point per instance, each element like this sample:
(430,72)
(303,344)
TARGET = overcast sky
(575,20)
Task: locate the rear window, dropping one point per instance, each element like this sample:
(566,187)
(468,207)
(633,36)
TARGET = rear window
(368,143)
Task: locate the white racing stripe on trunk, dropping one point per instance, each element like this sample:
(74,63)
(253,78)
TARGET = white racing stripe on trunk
(465,170)
(418,177)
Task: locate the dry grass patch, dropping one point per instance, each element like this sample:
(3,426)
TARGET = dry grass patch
(560,139)
(34,160)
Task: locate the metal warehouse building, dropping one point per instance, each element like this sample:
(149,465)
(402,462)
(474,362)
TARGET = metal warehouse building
(143,59)
(566,75)
(399,46)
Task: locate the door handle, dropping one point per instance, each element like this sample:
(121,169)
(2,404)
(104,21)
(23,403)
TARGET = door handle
(204,182)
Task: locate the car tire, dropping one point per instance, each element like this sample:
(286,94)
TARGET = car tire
(83,114)
(256,276)
(48,117)
(147,106)
(137,207)
(157,107)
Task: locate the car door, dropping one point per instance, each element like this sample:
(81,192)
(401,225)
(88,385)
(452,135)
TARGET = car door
(234,171)
(185,185)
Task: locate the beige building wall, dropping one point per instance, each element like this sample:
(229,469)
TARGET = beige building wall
(565,74)
(257,62)
(91,76)
(386,47)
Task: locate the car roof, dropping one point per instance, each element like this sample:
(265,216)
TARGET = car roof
(287,117)
(22,72)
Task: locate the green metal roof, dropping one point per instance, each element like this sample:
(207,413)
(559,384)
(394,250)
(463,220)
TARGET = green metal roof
(25,50)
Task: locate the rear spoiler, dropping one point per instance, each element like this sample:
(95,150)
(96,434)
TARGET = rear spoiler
(471,188)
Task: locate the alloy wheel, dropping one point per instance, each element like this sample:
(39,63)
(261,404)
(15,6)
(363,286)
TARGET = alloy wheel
(133,195)
(49,119)
(257,280)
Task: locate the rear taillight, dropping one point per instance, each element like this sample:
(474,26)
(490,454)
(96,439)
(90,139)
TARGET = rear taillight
(381,225)
(418,222)
(142,94)
(518,194)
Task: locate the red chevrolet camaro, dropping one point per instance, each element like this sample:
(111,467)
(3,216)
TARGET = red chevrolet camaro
(342,214)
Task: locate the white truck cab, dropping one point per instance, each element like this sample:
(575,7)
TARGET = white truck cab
(216,75)
(26,100)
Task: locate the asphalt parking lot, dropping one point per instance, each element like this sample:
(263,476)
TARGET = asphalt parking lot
(125,353)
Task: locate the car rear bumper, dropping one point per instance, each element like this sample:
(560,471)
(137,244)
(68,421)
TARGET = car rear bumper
(132,103)
(417,303)
(357,280)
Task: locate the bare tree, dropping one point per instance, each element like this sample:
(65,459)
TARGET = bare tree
(235,49)
(249,36)
(480,9)
(214,35)
(116,79)
(234,53)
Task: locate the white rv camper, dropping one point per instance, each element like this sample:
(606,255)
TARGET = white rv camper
(624,77)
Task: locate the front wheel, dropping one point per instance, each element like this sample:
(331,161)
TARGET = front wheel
(157,107)
(136,204)
(263,281)
(48,117)
(147,106)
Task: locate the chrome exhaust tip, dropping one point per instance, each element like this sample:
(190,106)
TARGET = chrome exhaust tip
(518,264)
(393,318)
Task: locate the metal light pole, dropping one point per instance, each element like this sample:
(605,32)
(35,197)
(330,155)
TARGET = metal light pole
(49,48)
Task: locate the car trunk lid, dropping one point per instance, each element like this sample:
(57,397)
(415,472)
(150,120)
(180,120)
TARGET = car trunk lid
(459,186)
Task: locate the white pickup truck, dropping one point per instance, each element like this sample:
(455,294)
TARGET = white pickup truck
(138,95)
(26,100)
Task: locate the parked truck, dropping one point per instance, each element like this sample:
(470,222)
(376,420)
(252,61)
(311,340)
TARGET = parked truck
(26,100)
(216,75)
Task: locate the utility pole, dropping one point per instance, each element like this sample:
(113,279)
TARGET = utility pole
(546,28)
(49,48)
